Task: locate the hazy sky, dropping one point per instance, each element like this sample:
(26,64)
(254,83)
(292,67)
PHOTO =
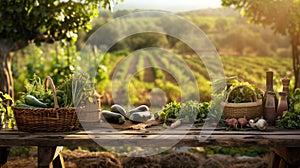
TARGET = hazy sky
(169,5)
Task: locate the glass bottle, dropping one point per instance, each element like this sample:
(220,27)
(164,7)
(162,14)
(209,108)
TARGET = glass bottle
(270,113)
(282,104)
(269,87)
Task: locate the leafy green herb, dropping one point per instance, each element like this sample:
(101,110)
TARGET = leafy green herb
(190,111)
(243,94)
(291,119)
(78,89)
(35,87)
(295,101)
(171,110)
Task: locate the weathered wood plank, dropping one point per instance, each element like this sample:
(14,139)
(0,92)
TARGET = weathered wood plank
(152,140)
(157,131)
(155,136)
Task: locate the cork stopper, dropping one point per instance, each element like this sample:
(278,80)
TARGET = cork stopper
(285,81)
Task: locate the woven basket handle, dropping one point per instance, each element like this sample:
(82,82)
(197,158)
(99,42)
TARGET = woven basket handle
(48,78)
(240,86)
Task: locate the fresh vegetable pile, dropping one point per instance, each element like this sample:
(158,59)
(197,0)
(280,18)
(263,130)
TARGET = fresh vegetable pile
(243,94)
(37,97)
(244,123)
(118,114)
(291,119)
(187,112)
(75,88)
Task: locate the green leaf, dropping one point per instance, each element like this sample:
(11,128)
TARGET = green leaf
(7,97)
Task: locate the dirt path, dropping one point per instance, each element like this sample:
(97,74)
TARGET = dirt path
(131,69)
(149,75)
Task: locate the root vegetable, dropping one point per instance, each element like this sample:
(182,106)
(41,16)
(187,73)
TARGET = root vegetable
(176,124)
(232,122)
(252,123)
(243,121)
(261,124)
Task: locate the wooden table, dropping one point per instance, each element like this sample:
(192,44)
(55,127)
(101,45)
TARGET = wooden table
(155,136)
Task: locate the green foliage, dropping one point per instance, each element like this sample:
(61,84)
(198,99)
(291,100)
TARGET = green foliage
(236,151)
(75,89)
(46,20)
(291,119)
(26,151)
(36,89)
(61,61)
(6,113)
(282,16)
(171,110)
(190,111)
(138,91)
(252,72)
(295,101)
(142,40)
(223,26)
(241,92)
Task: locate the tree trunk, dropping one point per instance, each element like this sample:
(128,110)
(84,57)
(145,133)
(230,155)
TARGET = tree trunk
(6,79)
(295,55)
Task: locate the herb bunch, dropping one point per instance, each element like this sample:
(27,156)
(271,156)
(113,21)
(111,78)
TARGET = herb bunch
(291,119)
(189,112)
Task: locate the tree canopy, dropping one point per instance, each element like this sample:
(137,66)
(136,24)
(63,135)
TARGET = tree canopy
(25,21)
(283,16)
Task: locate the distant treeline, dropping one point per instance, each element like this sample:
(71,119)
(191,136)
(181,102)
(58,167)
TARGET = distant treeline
(228,31)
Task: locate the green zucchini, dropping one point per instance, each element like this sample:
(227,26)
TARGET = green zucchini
(113,117)
(21,105)
(141,116)
(33,101)
(118,109)
(138,109)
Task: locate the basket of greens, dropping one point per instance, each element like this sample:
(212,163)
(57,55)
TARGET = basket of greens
(242,100)
(40,109)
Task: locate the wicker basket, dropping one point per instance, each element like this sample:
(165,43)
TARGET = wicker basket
(237,110)
(46,119)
